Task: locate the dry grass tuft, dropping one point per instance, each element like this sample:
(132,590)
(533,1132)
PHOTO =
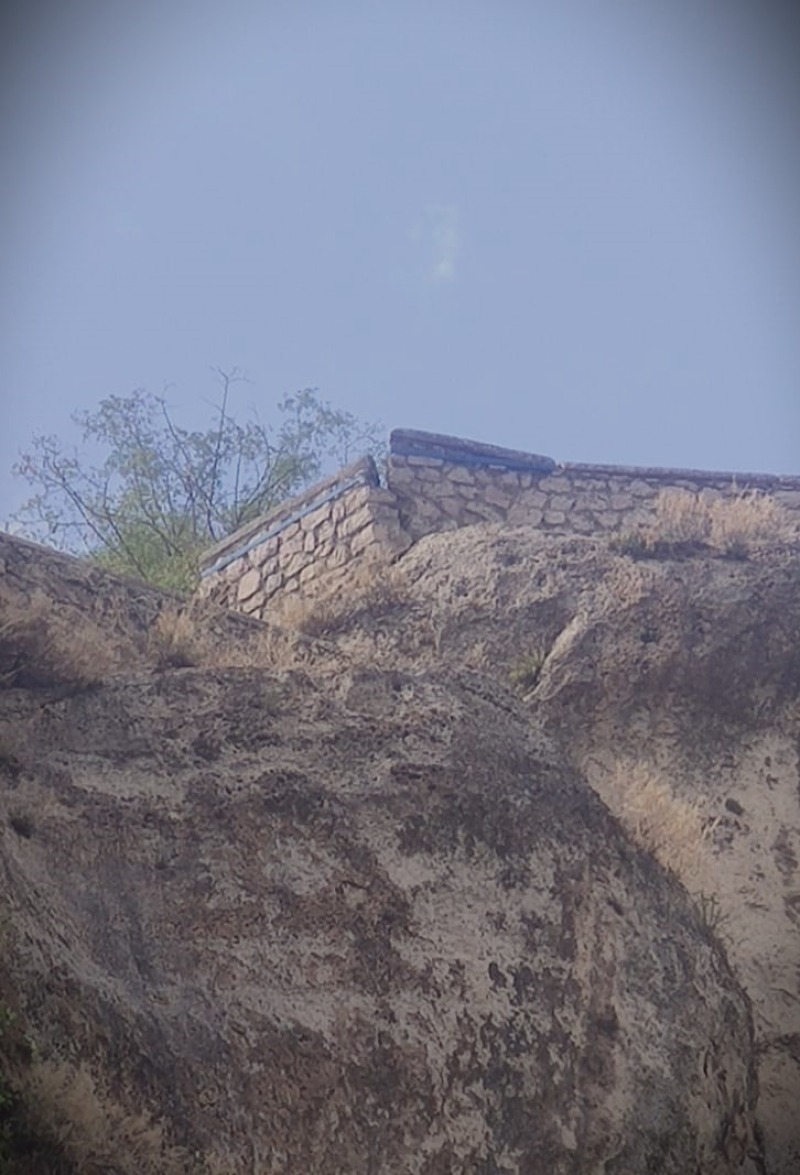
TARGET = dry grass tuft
(676,831)
(734,525)
(46,645)
(78,1119)
(177,639)
(747,520)
(682,517)
(373,596)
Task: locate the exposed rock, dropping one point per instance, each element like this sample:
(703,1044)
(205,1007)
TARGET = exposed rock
(682,671)
(360,924)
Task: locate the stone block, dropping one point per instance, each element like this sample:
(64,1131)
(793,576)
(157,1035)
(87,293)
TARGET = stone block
(316,517)
(389,541)
(533,498)
(356,498)
(248,585)
(621,501)
(400,476)
(272,584)
(234,571)
(264,553)
(423,462)
(452,507)
(554,518)
(642,489)
(380,496)
(253,605)
(521,514)
(562,503)
(310,543)
(608,520)
(311,572)
(555,484)
(289,532)
(596,485)
(590,501)
(364,538)
(339,556)
(480,511)
(291,546)
(295,565)
(582,523)
(460,475)
(508,480)
(354,522)
(496,497)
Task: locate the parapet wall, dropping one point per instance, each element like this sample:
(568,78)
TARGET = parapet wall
(442,483)
(311,540)
(433,483)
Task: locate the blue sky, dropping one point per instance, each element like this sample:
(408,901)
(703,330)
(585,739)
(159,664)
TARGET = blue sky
(570,228)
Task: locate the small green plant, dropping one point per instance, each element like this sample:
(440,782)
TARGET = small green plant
(8,1018)
(710,913)
(525,673)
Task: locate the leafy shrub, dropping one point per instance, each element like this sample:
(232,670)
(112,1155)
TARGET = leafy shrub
(525,672)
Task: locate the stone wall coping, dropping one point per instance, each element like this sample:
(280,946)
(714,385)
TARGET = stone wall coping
(266,526)
(661,473)
(409,442)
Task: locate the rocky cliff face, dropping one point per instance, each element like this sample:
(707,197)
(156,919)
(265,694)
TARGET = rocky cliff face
(360,910)
(674,686)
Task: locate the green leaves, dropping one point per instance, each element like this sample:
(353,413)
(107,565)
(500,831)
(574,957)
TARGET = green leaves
(158,493)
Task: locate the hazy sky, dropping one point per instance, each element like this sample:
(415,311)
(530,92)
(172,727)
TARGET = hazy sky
(571,228)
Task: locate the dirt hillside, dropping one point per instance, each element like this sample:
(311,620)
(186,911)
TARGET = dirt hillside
(346,897)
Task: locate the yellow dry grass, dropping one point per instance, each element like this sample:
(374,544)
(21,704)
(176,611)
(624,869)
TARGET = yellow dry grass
(749,519)
(177,639)
(677,831)
(374,594)
(67,1108)
(43,644)
(735,524)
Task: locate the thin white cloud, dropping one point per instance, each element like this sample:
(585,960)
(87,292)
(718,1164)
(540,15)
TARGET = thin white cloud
(438,232)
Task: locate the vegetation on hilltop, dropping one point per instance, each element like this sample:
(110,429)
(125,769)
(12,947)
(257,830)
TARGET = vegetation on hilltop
(161,493)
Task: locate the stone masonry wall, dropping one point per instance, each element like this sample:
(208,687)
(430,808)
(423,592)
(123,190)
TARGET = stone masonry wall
(309,543)
(315,542)
(442,483)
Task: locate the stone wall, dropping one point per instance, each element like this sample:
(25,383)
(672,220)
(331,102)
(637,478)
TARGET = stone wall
(309,543)
(442,483)
(436,483)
